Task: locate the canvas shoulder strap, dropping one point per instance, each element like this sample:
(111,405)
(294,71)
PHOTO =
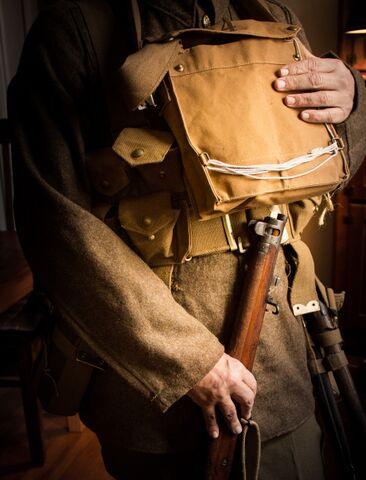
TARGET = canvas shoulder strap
(100,19)
(136,21)
(256,8)
(107,38)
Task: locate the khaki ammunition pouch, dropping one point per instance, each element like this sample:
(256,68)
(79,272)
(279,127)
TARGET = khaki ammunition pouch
(241,147)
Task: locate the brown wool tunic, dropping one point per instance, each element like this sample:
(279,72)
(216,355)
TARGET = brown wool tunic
(157,343)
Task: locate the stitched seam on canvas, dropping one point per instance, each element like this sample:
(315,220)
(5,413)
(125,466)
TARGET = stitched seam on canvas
(228,67)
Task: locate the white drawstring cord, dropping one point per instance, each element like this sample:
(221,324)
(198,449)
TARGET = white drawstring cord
(256,171)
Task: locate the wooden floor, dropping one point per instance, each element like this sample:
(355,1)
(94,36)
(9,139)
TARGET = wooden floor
(69,456)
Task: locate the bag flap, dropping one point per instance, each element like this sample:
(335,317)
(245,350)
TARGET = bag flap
(148,214)
(106,171)
(143,71)
(142,146)
(241,28)
(266,29)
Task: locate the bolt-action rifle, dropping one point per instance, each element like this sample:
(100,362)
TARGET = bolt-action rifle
(247,328)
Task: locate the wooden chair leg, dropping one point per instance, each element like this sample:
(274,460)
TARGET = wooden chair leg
(30,406)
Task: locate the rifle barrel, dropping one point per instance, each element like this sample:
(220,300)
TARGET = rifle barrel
(349,393)
(334,424)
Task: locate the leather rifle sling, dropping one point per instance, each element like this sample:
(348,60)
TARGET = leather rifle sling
(100,20)
(136,17)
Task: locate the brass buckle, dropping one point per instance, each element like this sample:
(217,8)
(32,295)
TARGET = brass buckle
(229,233)
(339,140)
(334,136)
(150,102)
(241,248)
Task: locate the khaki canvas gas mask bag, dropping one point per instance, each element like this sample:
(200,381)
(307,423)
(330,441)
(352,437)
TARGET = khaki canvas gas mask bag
(241,147)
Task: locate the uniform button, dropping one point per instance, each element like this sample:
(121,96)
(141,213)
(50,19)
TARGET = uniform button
(105,184)
(162,174)
(147,221)
(137,153)
(206,22)
(179,68)
(152,237)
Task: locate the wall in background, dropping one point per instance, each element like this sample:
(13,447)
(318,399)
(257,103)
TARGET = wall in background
(320,21)
(16,16)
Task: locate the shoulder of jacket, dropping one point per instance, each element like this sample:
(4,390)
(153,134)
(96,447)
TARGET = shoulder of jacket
(281,11)
(57,21)
(66,17)
(62,9)
(55,47)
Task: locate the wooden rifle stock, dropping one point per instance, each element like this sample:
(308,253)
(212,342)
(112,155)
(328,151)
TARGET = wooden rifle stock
(247,328)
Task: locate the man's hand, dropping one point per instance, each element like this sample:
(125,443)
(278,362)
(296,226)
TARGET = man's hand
(228,380)
(327,83)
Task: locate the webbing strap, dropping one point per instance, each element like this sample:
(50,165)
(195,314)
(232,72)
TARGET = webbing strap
(99,18)
(329,338)
(106,36)
(322,290)
(334,301)
(256,9)
(136,17)
(303,295)
(208,237)
(220,234)
(315,365)
(335,361)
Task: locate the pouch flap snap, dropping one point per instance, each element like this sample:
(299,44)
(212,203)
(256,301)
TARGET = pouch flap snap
(106,172)
(142,146)
(147,215)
